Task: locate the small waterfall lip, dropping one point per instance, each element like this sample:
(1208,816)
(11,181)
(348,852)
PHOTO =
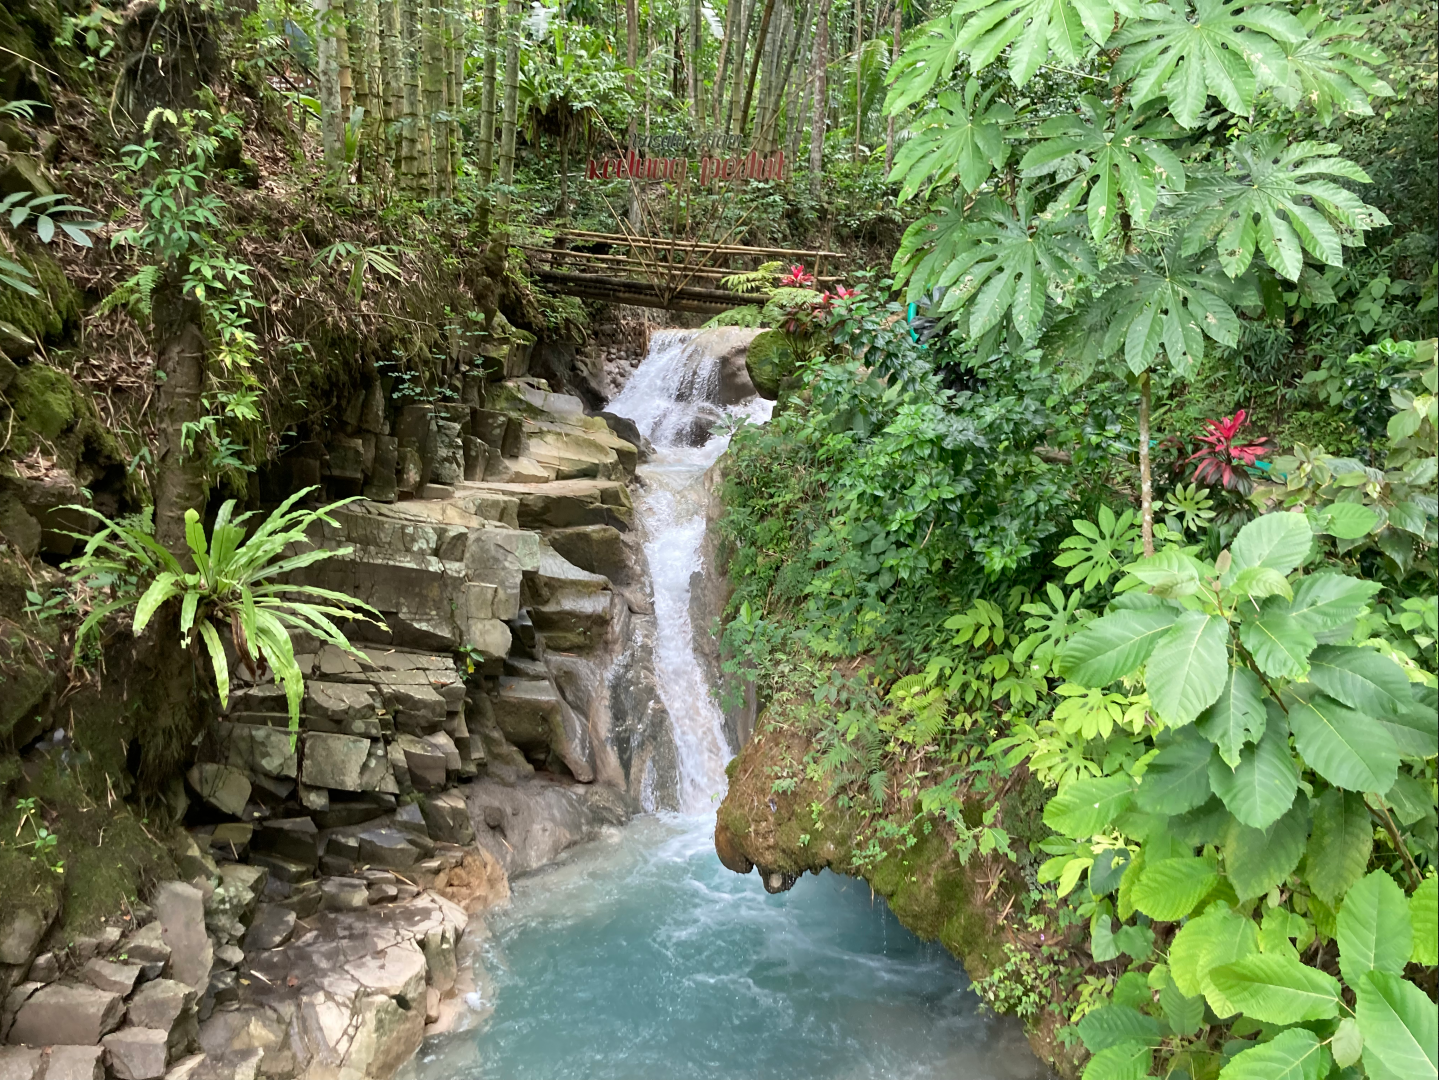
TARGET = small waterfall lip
(673,398)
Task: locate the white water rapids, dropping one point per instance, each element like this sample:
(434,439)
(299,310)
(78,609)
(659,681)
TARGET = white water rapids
(672,399)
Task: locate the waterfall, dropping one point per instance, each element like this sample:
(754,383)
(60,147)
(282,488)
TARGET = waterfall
(675,397)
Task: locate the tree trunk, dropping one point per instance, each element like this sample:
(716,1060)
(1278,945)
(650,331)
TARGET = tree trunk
(766,88)
(632,59)
(179,476)
(565,167)
(819,114)
(764,21)
(799,95)
(435,99)
(327,17)
(746,17)
(508,123)
(858,74)
(359,74)
(696,79)
(392,72)
(893,57)
(411,167)
(486,159)
(341,21)
(799,26)
(1146,483)
(722,65)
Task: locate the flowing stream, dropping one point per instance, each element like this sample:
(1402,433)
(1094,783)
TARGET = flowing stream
(638,956)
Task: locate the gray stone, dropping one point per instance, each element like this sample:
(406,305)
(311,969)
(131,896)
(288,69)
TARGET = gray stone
(334,761)
(137,1053)
(339,702)
(267,751)
(242,884)
(147,948)
(448,818)
(227,957)
(45,968)
(387,848)
(180,910)
(162,1004)
(187,1068)
(231,839)
(375,773)
(295,838)
(271,928)
(409,819)
(343,894)
(116,978)
(282,870)
(425,762)
(383,893)
(76,1063)
(66,1013)
(441,969)
(19,1063)
(223,787)
(21,937)
(313,798)
(304,899)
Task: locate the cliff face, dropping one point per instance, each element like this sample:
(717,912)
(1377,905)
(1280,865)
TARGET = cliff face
(970,908)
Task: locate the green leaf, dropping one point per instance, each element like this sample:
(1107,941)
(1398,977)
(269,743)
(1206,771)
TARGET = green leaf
(1278,989)
(161,589)
(1400,1027)
(1257,582)
(1280,541)
(1347,520)
(1415,731)
(1113,1025)
(1085,807)
(1278,641)
(1347,748)
(1374,932)
(1115,645)
(211,638)
(1423,914)
(1169,889)
(1177,779)
(1347,1044)
(1360,678)
(1296,1054)
(1189,666)
(1237,717)
(1329,601)
(1219,936)
(1339,844)
(1261,787)
(1127,1061)
(1275,197)
(1185,1014)
(1256,860)
(928,59)
(962,137)
(1030,29)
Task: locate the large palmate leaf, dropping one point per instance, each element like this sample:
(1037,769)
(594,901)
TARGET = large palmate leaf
(1030,29)
(1278,989)
(1261,788)
(1330,68)
(1374,933)
(962,136)
(1296,1054)
(1347,748)
(993,261)
(1189,666)
(1119,156)
(1237,717)
(927,61)
(1256,860)
(1340,842)
(1167,301)
(1400,1027)
(1186,54)
(1275,198)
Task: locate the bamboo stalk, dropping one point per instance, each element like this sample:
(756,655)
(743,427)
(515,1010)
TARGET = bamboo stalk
(411,150)
(434,77)
(819,114)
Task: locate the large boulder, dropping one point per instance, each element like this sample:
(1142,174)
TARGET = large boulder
(66,1013)
(769,361)
(137,1053)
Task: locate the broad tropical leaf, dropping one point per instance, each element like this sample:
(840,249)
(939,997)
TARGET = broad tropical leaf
(1400,1027)
(1085,807)
(1278,989)
(1324,602)
(1186,54)
(992,262)
(1340,841)
(927,61)
(1345,747)
(1374,932)
(1177,780)
(1237,717)
(1184,1014)
(1360,678)
(1331,68)
(1114,645)
(1424,915)
(1276,198)
(1219,936)
(1256,860)
(1116,1024)
(961,137)
(1279,541)
(1169,889)
(1030,29)
(1296,1054)
(1261,788)
(1119,156)
(1126,1061)
(1189,666)
(1278,641)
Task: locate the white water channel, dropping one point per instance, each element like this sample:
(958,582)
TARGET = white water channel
(638,956)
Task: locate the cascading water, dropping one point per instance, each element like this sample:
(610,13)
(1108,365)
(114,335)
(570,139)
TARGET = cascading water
(673,398)
(639,957)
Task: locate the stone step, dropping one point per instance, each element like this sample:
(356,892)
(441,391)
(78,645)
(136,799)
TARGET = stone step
(565,503)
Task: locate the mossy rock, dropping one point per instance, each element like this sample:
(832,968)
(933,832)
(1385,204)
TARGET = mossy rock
(51,410)
(769,361)
(52,314)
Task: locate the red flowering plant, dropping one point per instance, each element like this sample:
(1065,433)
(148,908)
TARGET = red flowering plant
(1223,459)
(797,278)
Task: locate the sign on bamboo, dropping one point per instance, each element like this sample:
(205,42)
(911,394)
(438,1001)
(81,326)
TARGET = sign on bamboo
(712,169)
